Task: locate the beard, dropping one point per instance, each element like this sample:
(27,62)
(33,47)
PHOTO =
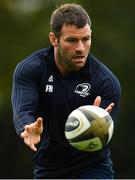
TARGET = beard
(71,61)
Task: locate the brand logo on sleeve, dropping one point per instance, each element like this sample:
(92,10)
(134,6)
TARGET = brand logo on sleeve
(83,89)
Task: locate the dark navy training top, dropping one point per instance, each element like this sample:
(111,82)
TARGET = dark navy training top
(39,90)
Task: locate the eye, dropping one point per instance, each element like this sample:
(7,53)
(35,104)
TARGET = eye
(86,39)
(71,40)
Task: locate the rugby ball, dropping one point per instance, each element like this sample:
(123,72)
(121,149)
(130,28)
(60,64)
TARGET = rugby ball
(89,128)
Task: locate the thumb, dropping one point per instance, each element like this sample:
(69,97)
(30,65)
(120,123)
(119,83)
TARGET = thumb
(38,126)
(39,122)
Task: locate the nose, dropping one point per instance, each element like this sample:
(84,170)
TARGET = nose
(79,46)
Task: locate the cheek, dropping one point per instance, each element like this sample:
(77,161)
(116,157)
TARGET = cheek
(65,50)
(88,46)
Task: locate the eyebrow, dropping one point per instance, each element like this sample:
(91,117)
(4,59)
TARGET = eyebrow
(72,37)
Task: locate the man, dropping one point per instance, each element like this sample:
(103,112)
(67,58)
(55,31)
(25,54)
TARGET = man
(44,94)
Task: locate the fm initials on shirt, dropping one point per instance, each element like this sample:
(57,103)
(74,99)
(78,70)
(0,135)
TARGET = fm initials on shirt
(49,88)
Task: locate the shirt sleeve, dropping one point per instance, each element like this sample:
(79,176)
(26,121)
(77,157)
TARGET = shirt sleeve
(110,92)
(25,95)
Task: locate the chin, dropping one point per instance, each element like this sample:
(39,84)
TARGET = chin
(78,67)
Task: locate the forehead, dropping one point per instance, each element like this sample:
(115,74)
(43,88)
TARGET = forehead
(73,31)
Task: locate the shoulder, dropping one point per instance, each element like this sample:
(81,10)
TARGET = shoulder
(35,63)
(101,72)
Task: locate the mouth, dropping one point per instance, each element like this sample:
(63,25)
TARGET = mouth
(78,58)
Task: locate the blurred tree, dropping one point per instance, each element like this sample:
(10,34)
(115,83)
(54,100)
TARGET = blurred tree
(24,28)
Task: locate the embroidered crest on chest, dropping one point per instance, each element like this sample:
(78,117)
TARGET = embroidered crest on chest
(83,89)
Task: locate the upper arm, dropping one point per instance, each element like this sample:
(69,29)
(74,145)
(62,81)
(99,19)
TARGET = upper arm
(25,95)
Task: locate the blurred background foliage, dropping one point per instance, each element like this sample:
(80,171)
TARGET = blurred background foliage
(24,28)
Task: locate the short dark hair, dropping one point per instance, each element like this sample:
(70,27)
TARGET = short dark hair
(72,14)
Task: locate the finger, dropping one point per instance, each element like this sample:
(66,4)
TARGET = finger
(32,147)
(28,129)
(109,108)
(24,134)
(97,101)
(29,143)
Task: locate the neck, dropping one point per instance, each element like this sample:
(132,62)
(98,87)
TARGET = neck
(59,63)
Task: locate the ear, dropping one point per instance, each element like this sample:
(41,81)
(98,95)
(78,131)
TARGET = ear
(91,31)
(53,39)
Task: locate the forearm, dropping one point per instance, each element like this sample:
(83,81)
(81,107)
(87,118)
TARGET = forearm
(22,121)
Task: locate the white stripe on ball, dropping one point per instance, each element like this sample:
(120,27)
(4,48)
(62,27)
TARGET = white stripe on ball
(84,124)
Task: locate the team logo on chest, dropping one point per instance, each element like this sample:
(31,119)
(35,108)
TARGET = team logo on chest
(83,89)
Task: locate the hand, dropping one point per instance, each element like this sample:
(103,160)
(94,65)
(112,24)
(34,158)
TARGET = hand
(32,132)
(97,102)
